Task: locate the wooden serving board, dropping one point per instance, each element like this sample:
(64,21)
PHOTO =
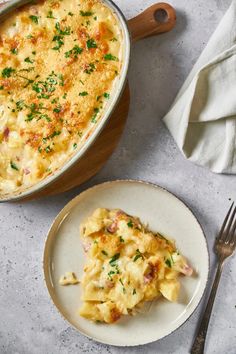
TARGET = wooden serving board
(157,19)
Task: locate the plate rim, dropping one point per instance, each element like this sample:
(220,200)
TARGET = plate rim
(59,219)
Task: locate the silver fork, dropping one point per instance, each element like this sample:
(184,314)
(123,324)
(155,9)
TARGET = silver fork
(225,245)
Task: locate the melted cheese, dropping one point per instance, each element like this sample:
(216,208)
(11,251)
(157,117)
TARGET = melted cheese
(127,265)
(59,61)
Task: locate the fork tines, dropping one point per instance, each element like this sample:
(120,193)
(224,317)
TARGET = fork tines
(227,232)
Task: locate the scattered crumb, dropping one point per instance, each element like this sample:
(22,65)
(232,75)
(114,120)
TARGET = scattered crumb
(68,279)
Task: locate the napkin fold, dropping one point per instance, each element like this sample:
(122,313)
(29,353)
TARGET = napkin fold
(202,118)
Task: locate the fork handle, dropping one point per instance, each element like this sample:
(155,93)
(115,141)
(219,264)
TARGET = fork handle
(199,342)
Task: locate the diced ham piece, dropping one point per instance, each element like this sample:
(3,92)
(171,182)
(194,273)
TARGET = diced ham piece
(109,284)
(26,171)
(147,278)
(187,270)
(120,212)
(6,133)
(113,227)
(86,246)
(34,10)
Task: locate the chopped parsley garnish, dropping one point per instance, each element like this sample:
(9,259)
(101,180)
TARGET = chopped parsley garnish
(20,105)
(47,87)
(74,146)
(86,13)
(28,60)
(30,116)
(121,239)
(106,95)
(105,253)
(134,291)
(29,36)
(29,70)
(68,54)
(37,88)
(61,33)
(65,32)
(48,149)
(110,57)
(93,119)
(35,112)
(162,237)
(59,40)
(57,109)
(55,133)
(6,72)
(84,93)
(123,288)
(114,259)
(34,19)
(1,87)
(90,69)
(50,14)
(116,268)
(13,166)
(61,78)
(14,51)
(34,52)
(70,14)
(91,43)
(138,255)
(130,224)
(29,81)
(168,262)
(110,274)
(81,82)
(74,52)
(45,116)
(55,100)
(113,39)
(95,18)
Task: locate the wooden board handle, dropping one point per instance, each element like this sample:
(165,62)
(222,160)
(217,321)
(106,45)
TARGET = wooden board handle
(156,19)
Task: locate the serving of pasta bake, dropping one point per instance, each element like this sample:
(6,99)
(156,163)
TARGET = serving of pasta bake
(127,265)
(59,61)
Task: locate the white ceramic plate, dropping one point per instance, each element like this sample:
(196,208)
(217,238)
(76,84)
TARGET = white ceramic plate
(164,213)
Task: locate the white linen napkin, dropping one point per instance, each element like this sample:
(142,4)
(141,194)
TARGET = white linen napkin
(202,118)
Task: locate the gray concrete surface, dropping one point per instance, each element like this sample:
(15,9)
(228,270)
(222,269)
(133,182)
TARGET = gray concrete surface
(29,324)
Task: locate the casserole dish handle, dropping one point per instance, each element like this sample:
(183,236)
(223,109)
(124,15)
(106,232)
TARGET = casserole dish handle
(156,19)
